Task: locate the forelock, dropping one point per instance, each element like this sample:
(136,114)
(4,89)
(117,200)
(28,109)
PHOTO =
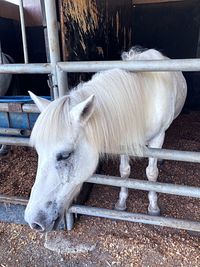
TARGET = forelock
(52,124)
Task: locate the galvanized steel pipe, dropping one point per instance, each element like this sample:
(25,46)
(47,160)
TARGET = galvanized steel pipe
(150,152)
(13,131)
(59,78)
(23,29)
(135,65)
(16,141)
(16,203)
(28,108)
(37,68)
(62,82)
(52,30)
(13,200)
(135,217)
(94,66)
(169,154)
(53,41)
(166,188)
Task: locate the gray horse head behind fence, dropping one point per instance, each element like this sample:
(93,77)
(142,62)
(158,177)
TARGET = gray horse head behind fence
(5,80)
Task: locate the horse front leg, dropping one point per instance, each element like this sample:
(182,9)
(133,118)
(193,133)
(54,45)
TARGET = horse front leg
(152,175)
(124,173)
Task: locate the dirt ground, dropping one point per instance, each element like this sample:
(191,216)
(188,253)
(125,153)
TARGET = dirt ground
(104,242)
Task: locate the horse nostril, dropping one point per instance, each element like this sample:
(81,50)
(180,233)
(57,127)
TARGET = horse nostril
(37,226)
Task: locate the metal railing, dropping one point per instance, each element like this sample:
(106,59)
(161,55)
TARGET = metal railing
(59,78)
(23,30)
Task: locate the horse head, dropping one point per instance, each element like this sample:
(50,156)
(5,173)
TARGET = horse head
(65,159)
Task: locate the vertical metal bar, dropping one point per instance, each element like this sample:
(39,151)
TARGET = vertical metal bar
(52,30)
(44,23)
(54,48)
(53,40)
(69,221)
(22,21)
(62,81)
(64,87)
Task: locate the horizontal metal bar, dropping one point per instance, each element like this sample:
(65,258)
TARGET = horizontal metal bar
(13,200)
(26,68)
(16,141)
(28,108)
(13,131)
(4,107)
(12,210)
(94,66)
(10,213)
(135,65)
(173,189)
(136,217)
(167,154)
(170,154)
(180,190)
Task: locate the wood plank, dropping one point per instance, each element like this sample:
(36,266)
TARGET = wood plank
(33,12)
(9,10)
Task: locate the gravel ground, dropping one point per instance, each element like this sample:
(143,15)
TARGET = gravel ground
(104,242)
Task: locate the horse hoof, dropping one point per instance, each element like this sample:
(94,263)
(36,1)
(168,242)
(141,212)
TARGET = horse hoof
(120,207)
(154,212)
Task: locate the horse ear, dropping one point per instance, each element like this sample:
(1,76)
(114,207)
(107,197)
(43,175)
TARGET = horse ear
(82,111)
(40,102)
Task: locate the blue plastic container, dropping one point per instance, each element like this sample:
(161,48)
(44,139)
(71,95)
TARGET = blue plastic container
(17,120)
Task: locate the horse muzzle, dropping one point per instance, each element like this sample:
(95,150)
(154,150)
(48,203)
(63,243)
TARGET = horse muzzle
(42,226)
(43,220)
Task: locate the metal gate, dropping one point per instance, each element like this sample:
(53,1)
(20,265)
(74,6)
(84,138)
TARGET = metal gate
(11,208)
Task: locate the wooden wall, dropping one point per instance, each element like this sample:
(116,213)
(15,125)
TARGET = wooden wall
(32,10)
(102,29)
(9,10)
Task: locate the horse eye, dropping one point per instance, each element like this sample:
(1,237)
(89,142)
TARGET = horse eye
(63,156)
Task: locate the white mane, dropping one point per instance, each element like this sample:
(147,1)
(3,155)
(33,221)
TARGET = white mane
(121,104)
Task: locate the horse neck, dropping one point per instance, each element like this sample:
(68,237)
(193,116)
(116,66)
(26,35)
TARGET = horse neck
(116,121)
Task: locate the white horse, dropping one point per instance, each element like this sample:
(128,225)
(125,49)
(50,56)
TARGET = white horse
(116,112)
